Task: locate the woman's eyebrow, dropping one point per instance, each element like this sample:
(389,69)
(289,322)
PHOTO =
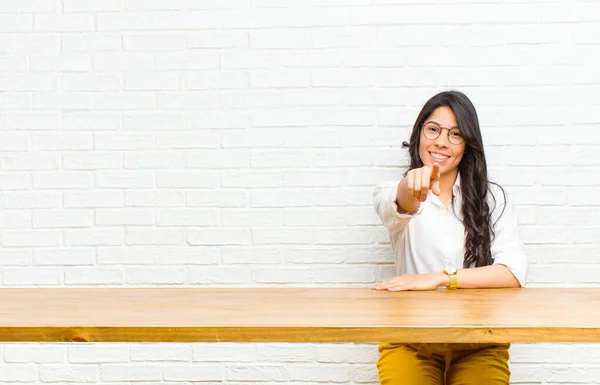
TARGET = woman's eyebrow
(433,121)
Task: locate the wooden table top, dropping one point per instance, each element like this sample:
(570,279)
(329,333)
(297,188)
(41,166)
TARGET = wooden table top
(299,315)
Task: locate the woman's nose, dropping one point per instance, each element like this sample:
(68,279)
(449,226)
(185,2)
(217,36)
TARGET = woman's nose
(442,140)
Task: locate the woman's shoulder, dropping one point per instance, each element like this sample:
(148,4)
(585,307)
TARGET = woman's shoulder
(497,193)
(498,200)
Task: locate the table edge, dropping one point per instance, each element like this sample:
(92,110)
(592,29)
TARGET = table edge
(310,334)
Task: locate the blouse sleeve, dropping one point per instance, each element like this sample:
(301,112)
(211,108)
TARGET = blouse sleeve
(507,248)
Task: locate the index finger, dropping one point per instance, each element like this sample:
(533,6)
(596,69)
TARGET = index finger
(435,171)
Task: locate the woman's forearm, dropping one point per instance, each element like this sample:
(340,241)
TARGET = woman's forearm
(406,203)
(487,277)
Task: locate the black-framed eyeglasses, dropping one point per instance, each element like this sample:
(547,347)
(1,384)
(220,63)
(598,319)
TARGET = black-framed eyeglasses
(432,131)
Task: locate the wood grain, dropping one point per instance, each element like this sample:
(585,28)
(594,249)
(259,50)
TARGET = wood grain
(299,315)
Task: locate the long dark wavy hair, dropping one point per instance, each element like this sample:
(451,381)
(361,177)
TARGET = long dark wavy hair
(479,231)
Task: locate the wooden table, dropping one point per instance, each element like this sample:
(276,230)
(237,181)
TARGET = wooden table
(299,315)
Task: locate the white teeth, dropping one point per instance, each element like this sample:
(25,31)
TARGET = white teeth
(440,157)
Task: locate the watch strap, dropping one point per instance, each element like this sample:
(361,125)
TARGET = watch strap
(453,278)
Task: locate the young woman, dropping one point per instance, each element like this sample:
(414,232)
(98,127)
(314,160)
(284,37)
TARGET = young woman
(449,226)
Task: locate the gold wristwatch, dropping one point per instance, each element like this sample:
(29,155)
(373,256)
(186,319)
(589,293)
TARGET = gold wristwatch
(453,274)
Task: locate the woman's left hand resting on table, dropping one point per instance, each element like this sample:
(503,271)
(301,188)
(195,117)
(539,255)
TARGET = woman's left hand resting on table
(404,282)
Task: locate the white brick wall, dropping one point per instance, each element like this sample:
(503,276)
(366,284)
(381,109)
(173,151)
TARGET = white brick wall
(237,142)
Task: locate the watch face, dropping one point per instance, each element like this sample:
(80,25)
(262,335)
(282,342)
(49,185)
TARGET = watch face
(451,270)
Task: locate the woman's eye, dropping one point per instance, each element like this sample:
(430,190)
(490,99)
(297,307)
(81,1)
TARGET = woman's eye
(432,129)
(456,134)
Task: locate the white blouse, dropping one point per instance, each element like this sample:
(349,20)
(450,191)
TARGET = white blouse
(433,238)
